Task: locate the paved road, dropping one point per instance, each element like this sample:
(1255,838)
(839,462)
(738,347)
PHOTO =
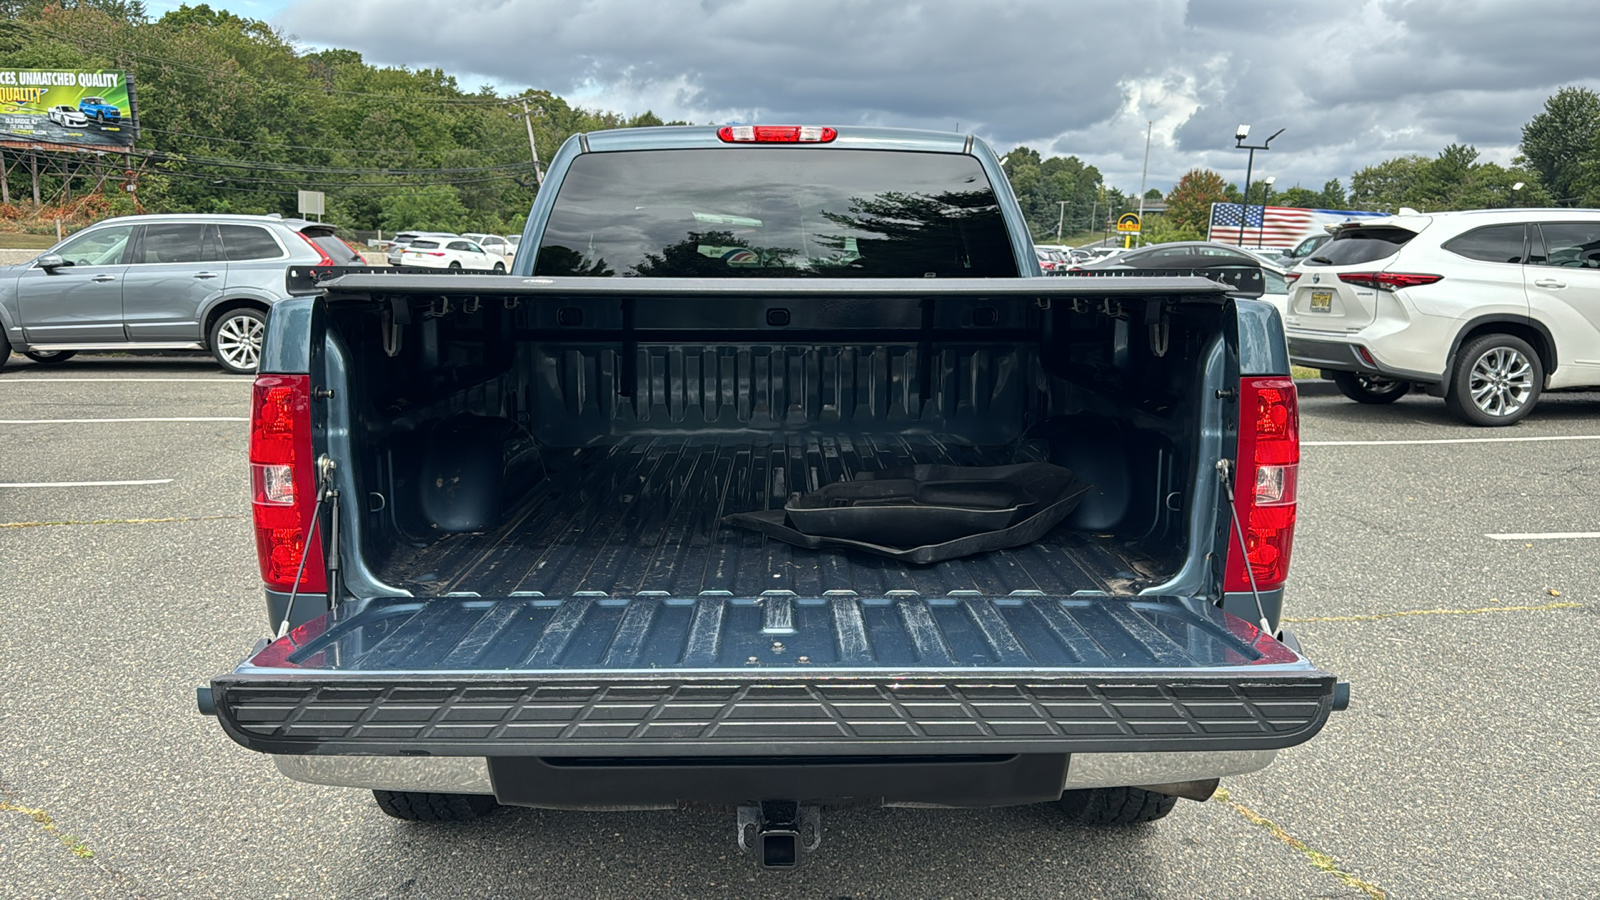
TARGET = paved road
(1466,767)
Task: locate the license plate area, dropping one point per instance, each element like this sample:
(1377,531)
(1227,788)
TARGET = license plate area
(1321,301)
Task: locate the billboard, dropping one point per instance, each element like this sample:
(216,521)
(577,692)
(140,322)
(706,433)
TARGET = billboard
(91,109)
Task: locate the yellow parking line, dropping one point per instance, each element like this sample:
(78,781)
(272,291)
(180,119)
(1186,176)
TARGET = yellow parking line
(1373,617)
(1317,858)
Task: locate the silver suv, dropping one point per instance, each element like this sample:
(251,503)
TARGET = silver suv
(169,282)
(1485,308)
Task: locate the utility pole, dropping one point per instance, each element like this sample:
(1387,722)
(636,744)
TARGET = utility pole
(527,119)
(1061,219)
(1145,175)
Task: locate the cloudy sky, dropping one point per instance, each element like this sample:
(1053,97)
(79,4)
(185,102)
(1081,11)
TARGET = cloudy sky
(1352,82)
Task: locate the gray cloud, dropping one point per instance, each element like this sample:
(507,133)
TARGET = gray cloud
(1352,83)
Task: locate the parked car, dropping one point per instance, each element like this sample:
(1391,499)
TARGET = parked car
(101,112)
(1485,308)
(491,243)
(446,253)
(512,242)
(398,245)
(1303,250)
(157,282)
(67,116)
(720,523)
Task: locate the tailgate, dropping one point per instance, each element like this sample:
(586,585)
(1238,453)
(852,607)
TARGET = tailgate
(776,674)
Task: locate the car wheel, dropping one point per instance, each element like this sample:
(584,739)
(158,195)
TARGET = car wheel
(1115,806)
(455,266)
(100,119)
(1370,388)
(1496,381)
(5,347)
(236,339)
(50,357)
(420,807)
(499,268)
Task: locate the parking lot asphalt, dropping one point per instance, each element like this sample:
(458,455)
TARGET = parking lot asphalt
(1466,766)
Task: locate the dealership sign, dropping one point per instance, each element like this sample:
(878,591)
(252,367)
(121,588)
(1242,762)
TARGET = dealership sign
(70,107)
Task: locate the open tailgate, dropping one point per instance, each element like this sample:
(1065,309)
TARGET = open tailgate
(777,674)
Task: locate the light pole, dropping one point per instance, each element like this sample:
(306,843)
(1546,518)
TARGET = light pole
(1144,176)
(1514,189)
(1061,219)
(1239,135)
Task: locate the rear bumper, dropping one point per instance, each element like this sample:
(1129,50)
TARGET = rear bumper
(1342,356)
(471,775)
(773,676)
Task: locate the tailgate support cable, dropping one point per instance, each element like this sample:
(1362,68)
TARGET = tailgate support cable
(325,494)
(1224,470)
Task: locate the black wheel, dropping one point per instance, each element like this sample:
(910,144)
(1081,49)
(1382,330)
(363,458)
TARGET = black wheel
(499,268)
(1370,388)
(1496,381)
(5,347)
(49,357)
(455,267)
(236,339)
(1115,806)
(419,807)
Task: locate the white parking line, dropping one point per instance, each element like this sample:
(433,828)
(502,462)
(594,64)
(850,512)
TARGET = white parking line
(67,484)
(1502,440)
(118,421)
(239,380)
(1545,536)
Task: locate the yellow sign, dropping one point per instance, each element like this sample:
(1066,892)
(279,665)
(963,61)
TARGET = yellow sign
(1128,222)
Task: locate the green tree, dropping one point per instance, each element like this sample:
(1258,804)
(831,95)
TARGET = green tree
(1557,142)
(1189,201)
(435,208)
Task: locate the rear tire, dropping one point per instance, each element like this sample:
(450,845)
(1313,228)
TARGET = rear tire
(5,348)
(1370,389)
(1115,806)
(413,806)
(49,357)
(455,267)
(236,339)
(1496,381)
(499,268)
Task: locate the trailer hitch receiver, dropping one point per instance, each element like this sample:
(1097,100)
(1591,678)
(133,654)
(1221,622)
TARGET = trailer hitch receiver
(782,830)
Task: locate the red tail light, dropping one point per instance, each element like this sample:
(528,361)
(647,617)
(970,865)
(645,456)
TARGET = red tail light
(1389,281)
(776,134)
(282,482)
(1291,277)
(1264,488)
(326,259)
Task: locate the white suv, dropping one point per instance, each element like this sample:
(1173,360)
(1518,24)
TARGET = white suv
(1485,308)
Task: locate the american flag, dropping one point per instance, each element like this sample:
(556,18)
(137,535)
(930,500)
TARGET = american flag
(1269,226)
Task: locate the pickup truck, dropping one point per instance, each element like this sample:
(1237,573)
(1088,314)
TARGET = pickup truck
(552,538)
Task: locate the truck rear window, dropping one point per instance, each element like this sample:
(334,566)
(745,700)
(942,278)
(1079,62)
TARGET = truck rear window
(1355,246)
(774,213)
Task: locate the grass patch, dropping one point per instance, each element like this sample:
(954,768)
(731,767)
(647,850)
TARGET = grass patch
(78,846)
(1304,374)
(1318,859)
(17,240)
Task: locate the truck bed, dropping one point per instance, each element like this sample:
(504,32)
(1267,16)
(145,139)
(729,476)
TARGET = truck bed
(643,515)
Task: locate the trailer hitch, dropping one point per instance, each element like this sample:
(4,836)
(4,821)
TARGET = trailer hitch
(783,829)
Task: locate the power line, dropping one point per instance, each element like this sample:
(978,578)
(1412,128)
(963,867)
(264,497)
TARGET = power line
(203,137)
(262,166)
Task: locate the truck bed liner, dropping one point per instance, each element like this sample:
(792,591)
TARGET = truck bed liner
(644,514)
